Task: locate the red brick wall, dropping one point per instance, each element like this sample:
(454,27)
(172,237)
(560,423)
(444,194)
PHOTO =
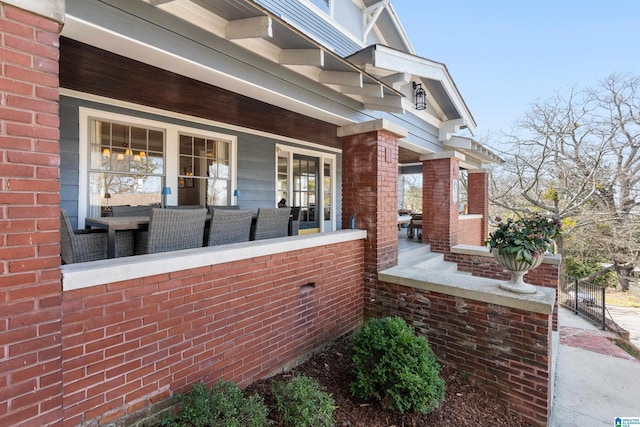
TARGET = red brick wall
(439,211)
(470,231)
(504,350)
(370,191)
(546,275)
(30,290)
(131,344)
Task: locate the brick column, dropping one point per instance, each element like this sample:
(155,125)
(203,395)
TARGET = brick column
(440,186)
(30,283)
(370,190)
(478,198)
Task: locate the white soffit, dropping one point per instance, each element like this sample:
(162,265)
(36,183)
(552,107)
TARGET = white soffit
(398,61)
(473,149)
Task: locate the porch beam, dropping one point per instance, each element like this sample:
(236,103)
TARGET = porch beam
(313,57)
(159,2)
(343,78)
(396,80)
(369,90)
(390,105)
(249,28)
(449,127)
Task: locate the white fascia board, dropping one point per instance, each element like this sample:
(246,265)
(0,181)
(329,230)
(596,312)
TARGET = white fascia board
(104,38)
(401,61)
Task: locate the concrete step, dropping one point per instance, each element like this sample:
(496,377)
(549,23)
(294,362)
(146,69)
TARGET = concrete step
(422,258)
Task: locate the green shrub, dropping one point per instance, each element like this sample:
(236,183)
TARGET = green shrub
(396,367)
(224,405)
(302,402)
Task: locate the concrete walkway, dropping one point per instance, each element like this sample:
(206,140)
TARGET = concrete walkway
(595,381)
(629,319)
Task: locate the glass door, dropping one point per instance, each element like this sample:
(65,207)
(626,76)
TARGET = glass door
(305,174)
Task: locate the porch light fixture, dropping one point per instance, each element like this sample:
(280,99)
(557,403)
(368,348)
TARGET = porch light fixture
(421,96)
(165,192)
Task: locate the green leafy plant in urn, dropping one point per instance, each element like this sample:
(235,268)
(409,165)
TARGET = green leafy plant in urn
(519,246)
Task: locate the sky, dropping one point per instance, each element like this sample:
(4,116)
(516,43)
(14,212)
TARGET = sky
(505,55)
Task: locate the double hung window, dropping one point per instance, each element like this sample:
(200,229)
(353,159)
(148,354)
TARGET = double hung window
(126,166)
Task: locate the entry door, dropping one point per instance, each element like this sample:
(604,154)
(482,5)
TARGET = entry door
(306,177)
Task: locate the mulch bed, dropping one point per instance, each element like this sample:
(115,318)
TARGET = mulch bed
(464,405)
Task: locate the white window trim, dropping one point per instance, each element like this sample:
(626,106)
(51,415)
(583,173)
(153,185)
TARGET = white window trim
(171,152)
(324,158)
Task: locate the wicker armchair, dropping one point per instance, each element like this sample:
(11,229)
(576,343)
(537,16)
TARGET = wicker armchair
(131,210)
(172,230)
(81,245)
(270,223)
(89,245)
(229,226)
(225,207)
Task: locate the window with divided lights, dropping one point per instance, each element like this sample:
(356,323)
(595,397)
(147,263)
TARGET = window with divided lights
(126,165)
(204,177)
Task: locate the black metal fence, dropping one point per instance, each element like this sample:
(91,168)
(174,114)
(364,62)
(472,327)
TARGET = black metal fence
(584,298)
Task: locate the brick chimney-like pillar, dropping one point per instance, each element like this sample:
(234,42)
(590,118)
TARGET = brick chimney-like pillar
(440,185)
(478,199)
(30,277)
(370,190)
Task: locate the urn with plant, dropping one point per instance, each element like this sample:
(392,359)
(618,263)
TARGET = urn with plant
(519,245)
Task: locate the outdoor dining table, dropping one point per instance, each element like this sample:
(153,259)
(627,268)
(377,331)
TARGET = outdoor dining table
(116,223)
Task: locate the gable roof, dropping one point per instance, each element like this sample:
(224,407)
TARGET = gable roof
(383,61)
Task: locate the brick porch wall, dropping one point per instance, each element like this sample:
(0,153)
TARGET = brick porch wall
(505,350)
(30,289)
(546,275)
(131,344)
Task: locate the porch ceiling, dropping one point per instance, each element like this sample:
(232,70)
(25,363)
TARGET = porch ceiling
(249,25)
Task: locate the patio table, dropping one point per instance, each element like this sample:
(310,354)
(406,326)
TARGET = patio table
(115,223)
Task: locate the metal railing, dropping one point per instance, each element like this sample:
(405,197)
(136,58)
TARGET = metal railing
(584,298)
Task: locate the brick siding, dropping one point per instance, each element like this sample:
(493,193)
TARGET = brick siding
(502,349)
(30,291)
(546,274)
(129,345)
(440,212)
(370,191)
(470,231)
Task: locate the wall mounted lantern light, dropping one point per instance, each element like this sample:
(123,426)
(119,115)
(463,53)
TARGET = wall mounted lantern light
(421,96)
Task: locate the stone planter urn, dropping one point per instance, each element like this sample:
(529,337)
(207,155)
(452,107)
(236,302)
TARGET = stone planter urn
(518,269)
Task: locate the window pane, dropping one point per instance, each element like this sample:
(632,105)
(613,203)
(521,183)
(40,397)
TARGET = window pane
(208,160)
(125,161)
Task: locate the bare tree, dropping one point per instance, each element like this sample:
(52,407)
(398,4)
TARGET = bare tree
(576,158)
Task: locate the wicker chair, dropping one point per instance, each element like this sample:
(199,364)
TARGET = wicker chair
(270,223)
(172,230)
(90,245)
(81,245)
(228,207)
(229,226)
(131,210)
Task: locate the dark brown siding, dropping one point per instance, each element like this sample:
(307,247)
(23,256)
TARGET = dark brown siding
(87,69)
